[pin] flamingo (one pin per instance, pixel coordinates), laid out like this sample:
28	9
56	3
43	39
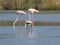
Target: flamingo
31	11
21	13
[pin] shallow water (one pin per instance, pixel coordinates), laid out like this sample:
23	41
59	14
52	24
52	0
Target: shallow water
37	17
42	35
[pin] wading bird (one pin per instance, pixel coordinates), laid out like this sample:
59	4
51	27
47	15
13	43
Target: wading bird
21	13
30	22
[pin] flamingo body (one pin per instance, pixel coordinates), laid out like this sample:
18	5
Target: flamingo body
20	12
31	10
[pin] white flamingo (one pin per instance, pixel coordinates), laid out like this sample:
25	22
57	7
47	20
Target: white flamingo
21	13
31	11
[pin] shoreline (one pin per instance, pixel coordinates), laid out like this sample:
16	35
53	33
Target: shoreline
40	11
10	23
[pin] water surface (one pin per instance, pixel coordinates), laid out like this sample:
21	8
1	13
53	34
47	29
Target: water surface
42	35
37	17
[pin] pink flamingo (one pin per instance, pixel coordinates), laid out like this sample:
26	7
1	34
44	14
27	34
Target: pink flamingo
31	11
21	13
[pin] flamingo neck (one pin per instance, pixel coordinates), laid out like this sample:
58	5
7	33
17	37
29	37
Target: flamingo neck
32	17
20	20
29	16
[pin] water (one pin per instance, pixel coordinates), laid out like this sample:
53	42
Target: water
37	17
42	35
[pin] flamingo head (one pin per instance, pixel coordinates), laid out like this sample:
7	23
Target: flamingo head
21	12
31	10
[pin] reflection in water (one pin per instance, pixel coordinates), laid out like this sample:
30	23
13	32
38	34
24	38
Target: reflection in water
41	35
28	29
5	36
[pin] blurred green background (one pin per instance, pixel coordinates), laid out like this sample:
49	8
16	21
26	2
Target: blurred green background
25	4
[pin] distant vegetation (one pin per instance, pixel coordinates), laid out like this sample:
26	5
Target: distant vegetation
25	4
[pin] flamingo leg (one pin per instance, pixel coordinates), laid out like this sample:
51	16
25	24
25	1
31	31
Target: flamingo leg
15	22
20	21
